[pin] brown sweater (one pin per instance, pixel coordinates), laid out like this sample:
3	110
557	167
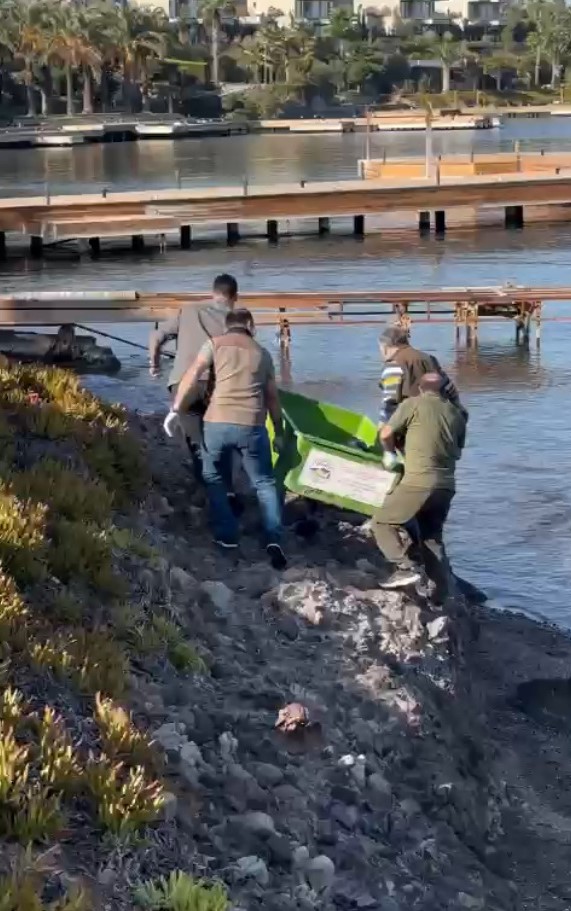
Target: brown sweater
242	369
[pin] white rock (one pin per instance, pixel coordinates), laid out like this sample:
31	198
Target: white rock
300	858
437	628
190	754
347	761
180	579
228	746
169	806
473	902
170	736
359	771
252	867
259	823
379	784
320	873
221	596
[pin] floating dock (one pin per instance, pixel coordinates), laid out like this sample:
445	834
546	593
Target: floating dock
466	308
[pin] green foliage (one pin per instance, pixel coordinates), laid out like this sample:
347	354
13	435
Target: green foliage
22	545
33	814
11	708
126	539
120	738
91	660
13	612
115	458
68	494
180	892
124	800
22	890
14	765
82	550
181	653
59	764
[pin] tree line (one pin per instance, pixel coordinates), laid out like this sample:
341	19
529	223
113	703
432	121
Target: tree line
102	55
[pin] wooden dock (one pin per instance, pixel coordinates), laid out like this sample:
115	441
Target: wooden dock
44	219
465	308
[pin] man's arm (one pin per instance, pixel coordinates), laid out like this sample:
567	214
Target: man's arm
165	332
273	405
391	384
187	385
449	390
397	425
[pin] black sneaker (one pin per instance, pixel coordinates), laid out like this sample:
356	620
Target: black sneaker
277	556
402	578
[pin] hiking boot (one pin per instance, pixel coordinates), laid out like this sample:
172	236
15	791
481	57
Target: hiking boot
277	556
402	578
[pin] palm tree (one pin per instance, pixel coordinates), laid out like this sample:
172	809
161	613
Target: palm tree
140	36
70	47
211	12
445	48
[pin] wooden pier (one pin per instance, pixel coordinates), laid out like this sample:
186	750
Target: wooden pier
53	219
465	308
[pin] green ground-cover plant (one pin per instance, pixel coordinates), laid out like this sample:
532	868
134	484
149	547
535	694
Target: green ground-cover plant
181	892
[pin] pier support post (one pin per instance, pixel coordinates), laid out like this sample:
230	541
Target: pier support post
185	237
36	245
440	222
232	232
424	222
323	226
138	243
514	217
359	225
273	232
95	244
2	245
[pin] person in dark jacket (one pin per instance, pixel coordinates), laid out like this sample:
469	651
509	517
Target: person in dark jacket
191	328
404	367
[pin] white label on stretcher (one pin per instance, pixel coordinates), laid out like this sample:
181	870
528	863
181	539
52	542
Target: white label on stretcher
361	482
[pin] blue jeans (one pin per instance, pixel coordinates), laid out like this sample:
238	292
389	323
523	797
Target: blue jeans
253	445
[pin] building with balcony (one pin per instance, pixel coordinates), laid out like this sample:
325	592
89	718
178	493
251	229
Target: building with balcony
314	11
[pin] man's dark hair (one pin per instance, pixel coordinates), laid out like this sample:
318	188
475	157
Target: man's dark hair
240	319
226	285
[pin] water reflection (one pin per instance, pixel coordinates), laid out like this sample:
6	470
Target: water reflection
498	366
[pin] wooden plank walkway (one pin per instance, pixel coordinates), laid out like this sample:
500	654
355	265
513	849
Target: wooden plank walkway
148	212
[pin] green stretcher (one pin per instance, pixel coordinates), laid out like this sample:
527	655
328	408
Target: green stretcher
330	454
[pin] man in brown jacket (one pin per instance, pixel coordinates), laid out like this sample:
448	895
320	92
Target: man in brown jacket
403	368
235	421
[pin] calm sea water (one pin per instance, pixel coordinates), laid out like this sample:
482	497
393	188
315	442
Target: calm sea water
510	529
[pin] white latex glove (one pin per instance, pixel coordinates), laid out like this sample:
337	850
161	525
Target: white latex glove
170	423
390	461
154	370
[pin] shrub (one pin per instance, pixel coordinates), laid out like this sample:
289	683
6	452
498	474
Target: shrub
22	890
14	765
181	653
33	814
180	892
11	708
119	736
127	540
59	765
13	611
67	493
92	660
22	544
124	801
79	549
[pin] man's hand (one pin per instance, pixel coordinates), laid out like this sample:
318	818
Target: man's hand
170	424
154	370
390	461
278	443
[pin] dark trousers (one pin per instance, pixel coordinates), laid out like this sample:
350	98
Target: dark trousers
191	422
423	511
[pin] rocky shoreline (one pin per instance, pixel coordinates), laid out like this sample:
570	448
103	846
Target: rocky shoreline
422	758
401	794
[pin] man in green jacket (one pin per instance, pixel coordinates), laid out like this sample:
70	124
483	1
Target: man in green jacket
434	430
